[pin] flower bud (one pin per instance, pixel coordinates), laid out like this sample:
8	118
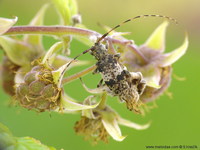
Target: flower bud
76	19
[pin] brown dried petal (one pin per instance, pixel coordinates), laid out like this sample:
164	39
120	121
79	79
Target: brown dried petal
7	75
92	129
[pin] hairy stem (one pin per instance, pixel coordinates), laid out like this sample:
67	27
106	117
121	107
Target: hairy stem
74	31
50	30
78	75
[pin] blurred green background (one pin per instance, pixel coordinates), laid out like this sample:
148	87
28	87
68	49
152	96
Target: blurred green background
175	122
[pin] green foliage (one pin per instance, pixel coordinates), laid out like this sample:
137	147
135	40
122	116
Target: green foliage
66	9
28	143
9	142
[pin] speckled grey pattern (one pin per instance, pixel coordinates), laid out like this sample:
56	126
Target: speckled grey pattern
118	80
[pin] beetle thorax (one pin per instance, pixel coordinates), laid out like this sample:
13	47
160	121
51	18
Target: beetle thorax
99	51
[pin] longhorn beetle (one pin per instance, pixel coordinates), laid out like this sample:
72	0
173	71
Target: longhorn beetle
118	81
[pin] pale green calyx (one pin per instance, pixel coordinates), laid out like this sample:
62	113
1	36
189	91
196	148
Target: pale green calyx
170	58
157	39
17	51
111	125
70	104
48	56
6	24
152	77
111	121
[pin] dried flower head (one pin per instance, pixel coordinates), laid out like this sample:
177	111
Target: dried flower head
91	129
38	89
157	67
101	122
32	85
41	88
19	53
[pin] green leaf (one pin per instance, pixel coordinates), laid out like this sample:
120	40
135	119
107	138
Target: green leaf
62	7
173	56
36	21
3	129
66	9
28	143
6	24
7	141
157	39
18	52
73	7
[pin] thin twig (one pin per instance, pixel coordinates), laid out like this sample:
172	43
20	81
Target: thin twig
78	75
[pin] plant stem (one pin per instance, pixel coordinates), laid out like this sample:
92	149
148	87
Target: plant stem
78	75
74	31
51	30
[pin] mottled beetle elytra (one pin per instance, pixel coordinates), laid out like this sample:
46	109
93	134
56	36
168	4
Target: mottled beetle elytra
118	81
